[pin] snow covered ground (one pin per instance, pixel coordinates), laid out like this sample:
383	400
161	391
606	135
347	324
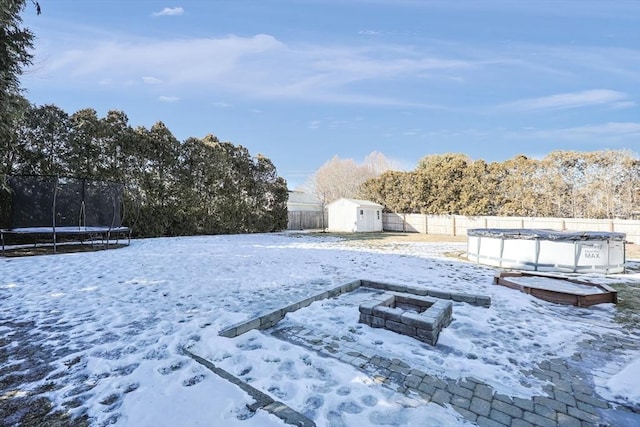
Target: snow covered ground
111	326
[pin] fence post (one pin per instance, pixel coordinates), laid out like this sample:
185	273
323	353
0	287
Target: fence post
453	225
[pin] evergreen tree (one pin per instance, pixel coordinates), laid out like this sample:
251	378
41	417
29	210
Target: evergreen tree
600	184
395	190
16	43
43	133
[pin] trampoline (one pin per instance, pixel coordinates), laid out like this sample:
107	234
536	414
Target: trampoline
58	208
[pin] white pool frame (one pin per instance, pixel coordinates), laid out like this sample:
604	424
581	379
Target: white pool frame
547	250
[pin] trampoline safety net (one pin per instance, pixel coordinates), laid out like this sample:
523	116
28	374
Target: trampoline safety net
49	201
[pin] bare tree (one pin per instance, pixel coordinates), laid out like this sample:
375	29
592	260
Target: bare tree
344	177
377	164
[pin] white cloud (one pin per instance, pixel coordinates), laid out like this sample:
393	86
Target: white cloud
314	124
373	73
603	133
623	104
221	104
168	98
210	60
613	129
256	66
369	32
562	101
151	80
170	11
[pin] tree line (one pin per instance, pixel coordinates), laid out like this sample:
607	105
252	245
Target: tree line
198	186
599	184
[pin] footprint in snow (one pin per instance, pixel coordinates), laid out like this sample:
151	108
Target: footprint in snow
306	360
156	354
311	406
369	400
112	407
278	392
350	407
114	354
335	419
131	387
244	413
288	368
113	418
193	380
175	366
388	418
343	391
79	390
126	370
249	344
313	402
321	389
76	402
222	357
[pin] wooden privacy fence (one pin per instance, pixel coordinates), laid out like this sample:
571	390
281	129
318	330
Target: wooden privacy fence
306	220
457	225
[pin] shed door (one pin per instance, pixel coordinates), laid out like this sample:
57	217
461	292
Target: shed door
369	220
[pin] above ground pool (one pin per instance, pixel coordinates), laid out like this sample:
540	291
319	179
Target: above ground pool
547	250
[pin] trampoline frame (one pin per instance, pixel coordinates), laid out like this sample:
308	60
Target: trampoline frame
107	234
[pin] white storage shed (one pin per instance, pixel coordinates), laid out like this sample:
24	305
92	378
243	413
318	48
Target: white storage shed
351	215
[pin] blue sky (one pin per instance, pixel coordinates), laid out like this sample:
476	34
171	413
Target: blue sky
303	80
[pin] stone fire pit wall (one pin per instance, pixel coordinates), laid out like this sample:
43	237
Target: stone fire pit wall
419	317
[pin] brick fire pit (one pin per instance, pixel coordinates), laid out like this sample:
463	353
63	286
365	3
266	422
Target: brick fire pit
419	317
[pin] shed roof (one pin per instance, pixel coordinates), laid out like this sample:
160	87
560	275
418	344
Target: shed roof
359	203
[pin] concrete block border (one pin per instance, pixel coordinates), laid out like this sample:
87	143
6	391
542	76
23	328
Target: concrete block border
473	299
262	400
272	318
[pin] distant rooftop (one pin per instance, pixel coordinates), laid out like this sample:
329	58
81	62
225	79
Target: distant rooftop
303	198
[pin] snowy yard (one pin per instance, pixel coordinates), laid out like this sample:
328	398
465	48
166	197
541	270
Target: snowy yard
100	334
